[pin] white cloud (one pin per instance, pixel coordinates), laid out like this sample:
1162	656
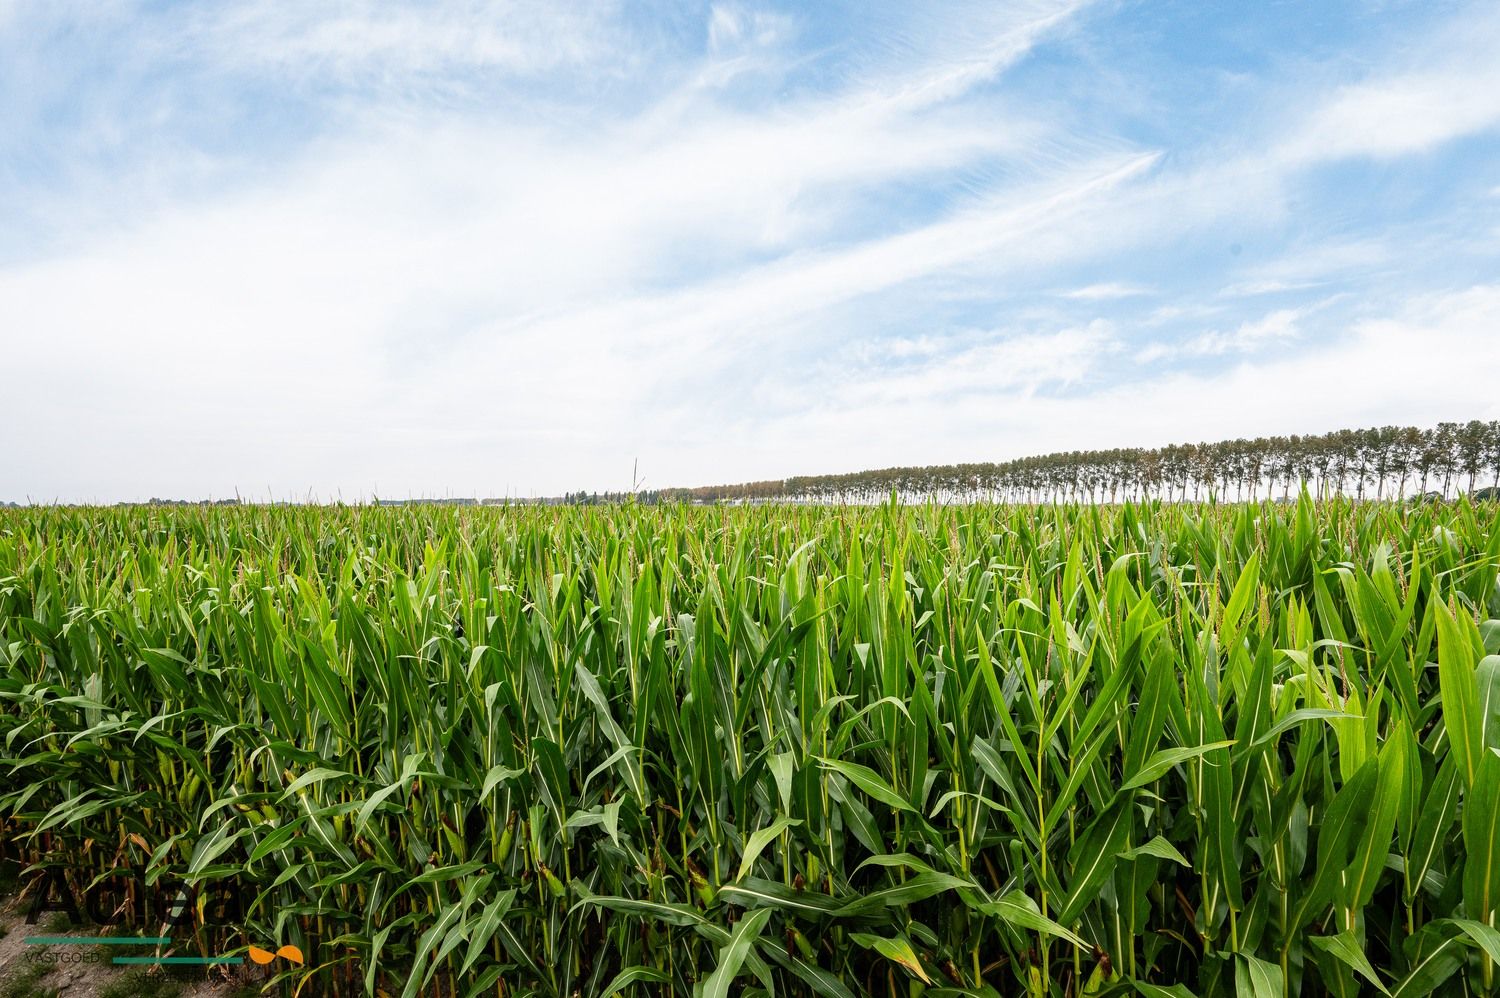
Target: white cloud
974	47
1406	367
1167	314
1309	266
1106	291
734	27
1001	364
378	40
1278	327
1408	114
1452	90
1250	289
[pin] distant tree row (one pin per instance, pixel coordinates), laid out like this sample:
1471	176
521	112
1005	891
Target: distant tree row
1385	461
648	497
154	501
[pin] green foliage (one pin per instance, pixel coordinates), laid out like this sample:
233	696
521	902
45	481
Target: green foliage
138	982
28	980
1070	750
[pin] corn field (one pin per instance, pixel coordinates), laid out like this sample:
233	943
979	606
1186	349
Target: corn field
1156	749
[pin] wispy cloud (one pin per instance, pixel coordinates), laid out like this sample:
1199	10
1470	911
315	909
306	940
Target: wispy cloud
734	27
1269	286
1107	291
1000	363
1279	326
1452	90
368	42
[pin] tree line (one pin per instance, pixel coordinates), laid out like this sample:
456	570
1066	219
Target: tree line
1379	462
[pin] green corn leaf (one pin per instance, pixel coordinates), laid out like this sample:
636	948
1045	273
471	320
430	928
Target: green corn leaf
1164	759
759	840
869	781
734	953
897	949
1021	911
1346	949
1160	848
1460	691
1256	978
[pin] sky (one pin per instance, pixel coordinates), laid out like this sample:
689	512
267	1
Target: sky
280	249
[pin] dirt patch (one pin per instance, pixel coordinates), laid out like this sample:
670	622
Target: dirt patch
62	971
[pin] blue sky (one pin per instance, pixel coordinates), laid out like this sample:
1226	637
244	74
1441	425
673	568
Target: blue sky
293	249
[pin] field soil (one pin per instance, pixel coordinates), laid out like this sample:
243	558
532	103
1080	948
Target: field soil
20	977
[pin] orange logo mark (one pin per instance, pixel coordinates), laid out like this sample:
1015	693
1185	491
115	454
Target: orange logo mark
262	956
